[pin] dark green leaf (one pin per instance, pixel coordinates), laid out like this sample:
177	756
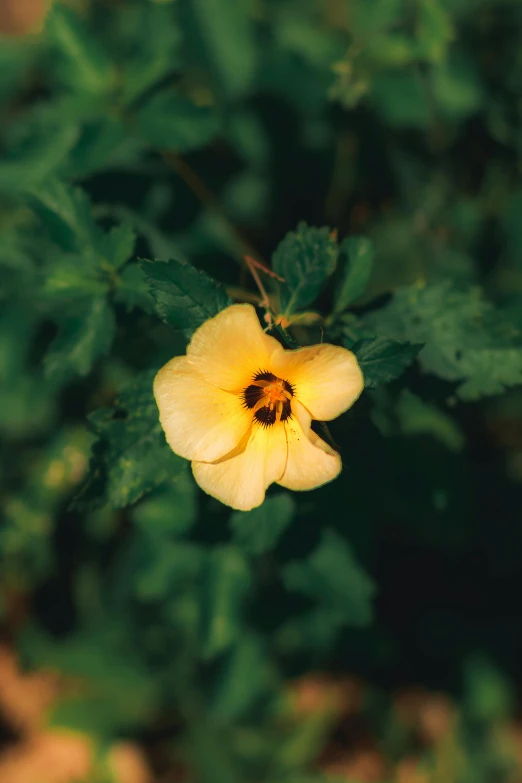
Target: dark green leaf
40	160
305	258
131	456
467	339
382	360
225	584
332	577
170	510
171	121
185	296
258	531
81	340
119	245
359	261
226	30
67	215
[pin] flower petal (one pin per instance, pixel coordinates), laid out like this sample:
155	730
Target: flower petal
327	378
311	462
200	421
241	478
230	348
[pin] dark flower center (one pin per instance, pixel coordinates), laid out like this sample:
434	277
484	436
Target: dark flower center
269	397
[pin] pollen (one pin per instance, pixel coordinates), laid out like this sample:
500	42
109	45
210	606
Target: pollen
269	398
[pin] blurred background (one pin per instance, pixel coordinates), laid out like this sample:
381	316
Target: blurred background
369	630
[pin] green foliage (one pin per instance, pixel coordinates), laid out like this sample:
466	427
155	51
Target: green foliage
131	456
304	259
232	646
383	360
170	121
257	531
359	253
185	297
332	577
467	339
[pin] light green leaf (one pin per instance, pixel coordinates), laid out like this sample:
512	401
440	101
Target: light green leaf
81	340
132	289
383	360
225	584
467	339
227	33
305	258
171	121
83	65
258	531
332	577
417	417
131	457
358	252
119	245
185	296
434	30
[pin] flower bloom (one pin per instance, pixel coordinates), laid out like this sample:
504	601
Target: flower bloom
239	406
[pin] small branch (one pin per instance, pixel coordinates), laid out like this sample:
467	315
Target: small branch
208	199
265	301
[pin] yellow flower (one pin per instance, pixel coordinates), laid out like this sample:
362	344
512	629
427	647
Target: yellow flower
240	407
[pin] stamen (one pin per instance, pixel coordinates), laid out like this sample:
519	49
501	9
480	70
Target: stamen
269	398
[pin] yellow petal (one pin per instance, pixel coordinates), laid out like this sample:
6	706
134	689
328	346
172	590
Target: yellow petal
200	421
326	378
241	479
230	348
311	462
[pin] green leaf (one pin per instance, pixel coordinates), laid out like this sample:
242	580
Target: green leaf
171	121
81	340
170	510
417	417
434	30
244	676
359	252
132	289
39	160
383	360
467	339
67	215
83	65
119	245
227	32
225	584
131	456
258	531
185	297
305	258
332	577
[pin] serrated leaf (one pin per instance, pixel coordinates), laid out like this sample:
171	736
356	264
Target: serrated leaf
185	297
131	457
467	339
227	32
67	215
417	417
81	340
258	531
83	65
304	258
171	121
132	289
359	253
333	578
383	360
223	591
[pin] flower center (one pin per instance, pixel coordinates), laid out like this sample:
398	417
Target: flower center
269	398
